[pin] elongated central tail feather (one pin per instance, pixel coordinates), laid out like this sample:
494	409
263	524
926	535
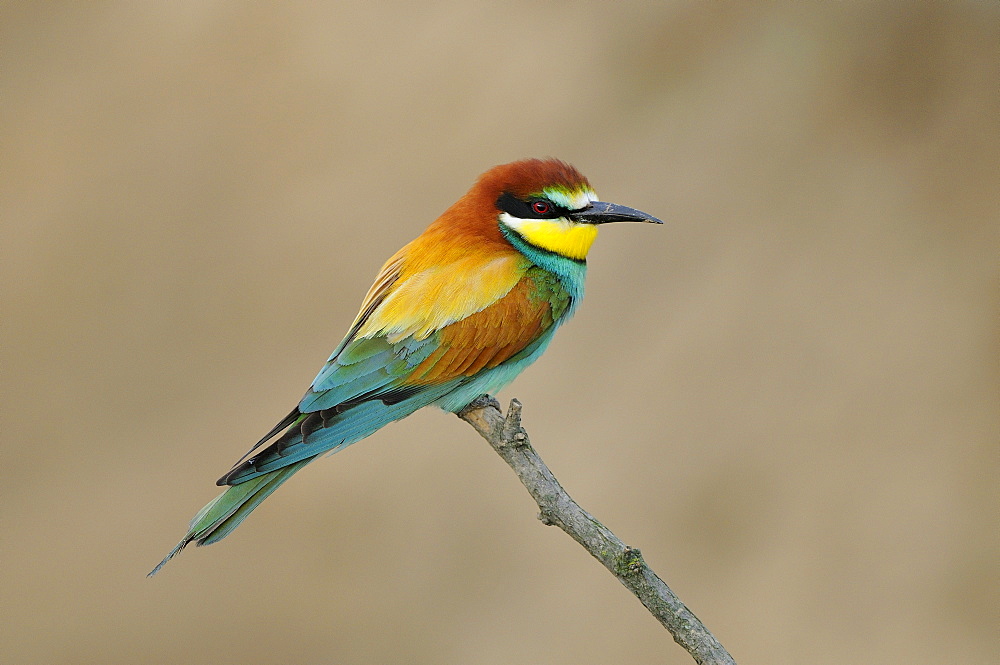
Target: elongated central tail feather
225	512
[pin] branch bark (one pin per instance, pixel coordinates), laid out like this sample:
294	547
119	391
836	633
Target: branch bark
558	508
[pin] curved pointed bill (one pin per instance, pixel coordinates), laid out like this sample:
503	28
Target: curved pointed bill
601	212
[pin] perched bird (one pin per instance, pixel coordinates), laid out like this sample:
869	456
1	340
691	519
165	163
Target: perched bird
457	313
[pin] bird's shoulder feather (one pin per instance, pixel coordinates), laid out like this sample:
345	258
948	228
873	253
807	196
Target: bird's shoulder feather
432	283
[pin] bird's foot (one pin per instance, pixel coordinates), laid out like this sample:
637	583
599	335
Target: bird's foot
481	402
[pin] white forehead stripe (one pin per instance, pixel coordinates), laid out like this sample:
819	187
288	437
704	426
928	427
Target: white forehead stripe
574	200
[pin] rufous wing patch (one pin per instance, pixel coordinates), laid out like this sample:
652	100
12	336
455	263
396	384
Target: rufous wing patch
487	338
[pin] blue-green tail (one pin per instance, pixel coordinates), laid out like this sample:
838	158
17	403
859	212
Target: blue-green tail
225	512
306	436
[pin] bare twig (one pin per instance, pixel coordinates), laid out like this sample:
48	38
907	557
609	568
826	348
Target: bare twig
557	508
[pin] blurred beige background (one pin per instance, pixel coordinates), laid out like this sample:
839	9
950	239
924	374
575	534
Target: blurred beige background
787	397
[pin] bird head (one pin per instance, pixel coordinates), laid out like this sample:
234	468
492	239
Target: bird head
547	204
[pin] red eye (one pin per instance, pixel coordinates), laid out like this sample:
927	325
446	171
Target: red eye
541	207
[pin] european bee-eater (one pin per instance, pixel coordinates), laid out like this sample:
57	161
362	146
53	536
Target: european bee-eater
457	313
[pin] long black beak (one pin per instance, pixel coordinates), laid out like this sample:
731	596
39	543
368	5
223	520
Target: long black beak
600	212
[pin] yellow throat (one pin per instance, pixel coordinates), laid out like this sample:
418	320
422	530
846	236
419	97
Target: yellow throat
560	236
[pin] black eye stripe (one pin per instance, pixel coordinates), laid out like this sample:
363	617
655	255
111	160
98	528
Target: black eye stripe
515	207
